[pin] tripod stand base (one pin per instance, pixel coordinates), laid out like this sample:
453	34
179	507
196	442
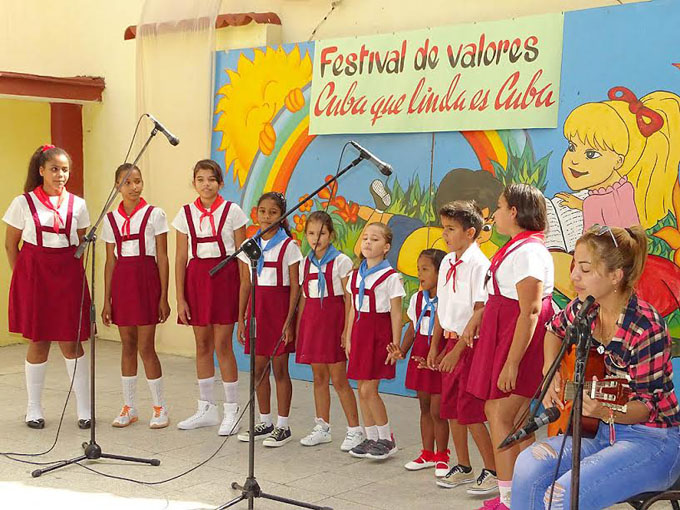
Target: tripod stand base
251	490
92	452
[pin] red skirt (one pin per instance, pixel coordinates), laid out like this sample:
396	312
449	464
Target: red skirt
319	337
271	310
135	291
371	334
422	379
211	299
456	402
45	295
491	351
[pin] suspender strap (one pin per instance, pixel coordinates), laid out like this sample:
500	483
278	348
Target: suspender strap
309	277
278	265
39	227
142	232
209	239
370	293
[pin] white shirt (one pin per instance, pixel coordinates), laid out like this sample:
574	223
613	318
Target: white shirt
235	220
455	308
342	265
157	224
530	259
411	312
268	276
389	289
19	216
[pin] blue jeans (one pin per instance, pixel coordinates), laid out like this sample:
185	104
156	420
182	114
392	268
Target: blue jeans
642	459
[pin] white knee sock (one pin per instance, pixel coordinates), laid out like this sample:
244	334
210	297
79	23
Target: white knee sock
156	387
129	389
231	392
35	381
372	433
206	389
384	431
81	385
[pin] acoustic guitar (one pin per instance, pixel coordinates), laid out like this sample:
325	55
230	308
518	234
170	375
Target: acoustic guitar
614	393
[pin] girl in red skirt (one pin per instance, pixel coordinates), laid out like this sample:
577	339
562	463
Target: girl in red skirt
276	292
136	290
208	230
323	280
373	323
508	358
48	296
426	382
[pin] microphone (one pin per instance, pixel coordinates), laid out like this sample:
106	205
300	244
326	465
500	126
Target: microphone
171	138
548	416
384	168
585	308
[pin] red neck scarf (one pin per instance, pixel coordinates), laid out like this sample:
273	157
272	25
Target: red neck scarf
208	213
503	252
45	200
125	229
453	269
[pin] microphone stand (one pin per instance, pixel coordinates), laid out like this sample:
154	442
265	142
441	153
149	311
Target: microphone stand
251	489
92	450
584	340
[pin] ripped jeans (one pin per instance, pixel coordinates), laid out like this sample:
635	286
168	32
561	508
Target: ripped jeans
642	459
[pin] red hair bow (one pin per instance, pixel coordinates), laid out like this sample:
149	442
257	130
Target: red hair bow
47	147
648	121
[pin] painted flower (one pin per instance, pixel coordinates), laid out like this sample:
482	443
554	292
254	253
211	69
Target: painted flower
307	206
253	215
329	190
300	222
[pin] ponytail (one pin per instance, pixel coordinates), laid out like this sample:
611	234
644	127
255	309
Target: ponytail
40	157
628	253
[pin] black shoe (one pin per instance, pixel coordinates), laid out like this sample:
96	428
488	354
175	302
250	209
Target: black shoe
262	430
84	424
279	437
360	450
36	424
381	449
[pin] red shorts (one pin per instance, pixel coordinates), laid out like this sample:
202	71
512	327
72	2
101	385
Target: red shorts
456	402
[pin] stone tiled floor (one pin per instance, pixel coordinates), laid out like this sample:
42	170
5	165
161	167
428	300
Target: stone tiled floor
321	475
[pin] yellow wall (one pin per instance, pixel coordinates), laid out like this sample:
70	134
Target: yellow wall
29	128
85	37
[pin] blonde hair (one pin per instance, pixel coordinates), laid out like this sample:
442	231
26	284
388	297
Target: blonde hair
630	255
651	163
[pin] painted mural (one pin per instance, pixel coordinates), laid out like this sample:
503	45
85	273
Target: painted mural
613	159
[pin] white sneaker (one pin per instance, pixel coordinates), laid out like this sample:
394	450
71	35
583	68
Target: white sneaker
159	418
321	433
206	416
230	424
352	439
127	416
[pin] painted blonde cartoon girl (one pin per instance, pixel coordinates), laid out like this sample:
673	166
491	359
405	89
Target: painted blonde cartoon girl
625	153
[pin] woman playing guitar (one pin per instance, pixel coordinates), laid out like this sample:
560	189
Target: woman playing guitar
633	451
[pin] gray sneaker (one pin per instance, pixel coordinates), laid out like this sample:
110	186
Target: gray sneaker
360	450
279	437
382	449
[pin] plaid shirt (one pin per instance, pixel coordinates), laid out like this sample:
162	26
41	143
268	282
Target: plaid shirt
640	351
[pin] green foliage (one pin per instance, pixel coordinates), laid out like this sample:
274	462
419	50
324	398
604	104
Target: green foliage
522	167
417	201
411	286
659	246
